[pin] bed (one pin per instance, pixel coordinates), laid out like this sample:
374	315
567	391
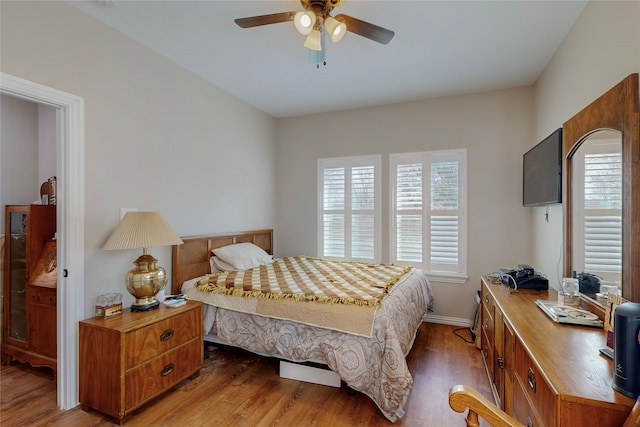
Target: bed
369	358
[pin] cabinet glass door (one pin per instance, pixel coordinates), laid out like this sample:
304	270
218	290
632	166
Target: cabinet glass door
17	275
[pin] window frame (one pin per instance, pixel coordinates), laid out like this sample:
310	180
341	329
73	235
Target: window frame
426	158
350	162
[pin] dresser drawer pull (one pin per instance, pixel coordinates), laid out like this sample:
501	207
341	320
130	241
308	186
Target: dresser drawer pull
166	335
532	381
529	422
486	324
486	299
167	370
500	361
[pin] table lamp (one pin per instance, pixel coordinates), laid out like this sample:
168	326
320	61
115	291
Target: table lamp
143	230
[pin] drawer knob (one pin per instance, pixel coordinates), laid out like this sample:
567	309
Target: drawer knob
166	335
167	370
500	361
531	379
529	422
486	299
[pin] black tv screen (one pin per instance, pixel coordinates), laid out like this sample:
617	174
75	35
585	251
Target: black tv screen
542	172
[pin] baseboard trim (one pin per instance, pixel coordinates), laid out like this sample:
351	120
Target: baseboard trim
454	321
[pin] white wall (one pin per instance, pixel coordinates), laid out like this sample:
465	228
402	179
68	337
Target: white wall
495	128
27	150
19	183
47	134
156	136
602	48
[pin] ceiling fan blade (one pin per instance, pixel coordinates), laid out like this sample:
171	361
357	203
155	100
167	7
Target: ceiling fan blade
365	29
256	21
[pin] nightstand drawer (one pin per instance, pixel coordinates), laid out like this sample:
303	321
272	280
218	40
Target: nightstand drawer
144	344
157	375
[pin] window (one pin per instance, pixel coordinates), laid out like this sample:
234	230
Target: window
599	248
349	208
428	212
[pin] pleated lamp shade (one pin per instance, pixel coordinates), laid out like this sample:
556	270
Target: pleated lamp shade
142	230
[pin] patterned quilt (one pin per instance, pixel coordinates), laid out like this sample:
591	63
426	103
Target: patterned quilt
342	296
309	279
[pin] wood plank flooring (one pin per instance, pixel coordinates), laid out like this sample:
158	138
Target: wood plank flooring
237	388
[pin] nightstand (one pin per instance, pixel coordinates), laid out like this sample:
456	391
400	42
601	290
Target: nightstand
128	359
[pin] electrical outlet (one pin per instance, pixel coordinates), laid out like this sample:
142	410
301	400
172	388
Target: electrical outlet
123	211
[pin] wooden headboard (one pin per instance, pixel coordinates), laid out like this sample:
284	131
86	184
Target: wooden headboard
191	259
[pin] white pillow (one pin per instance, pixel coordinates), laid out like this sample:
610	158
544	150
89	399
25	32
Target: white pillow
243	256
219	265
212	264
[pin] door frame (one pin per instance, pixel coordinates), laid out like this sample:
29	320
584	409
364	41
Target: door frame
70	223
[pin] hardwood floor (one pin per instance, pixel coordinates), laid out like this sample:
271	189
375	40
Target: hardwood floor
237	388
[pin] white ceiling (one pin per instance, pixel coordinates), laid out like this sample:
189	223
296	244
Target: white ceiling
440	48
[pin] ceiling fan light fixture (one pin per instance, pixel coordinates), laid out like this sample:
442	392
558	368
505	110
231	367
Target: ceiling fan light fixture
304	22
314	40
335	29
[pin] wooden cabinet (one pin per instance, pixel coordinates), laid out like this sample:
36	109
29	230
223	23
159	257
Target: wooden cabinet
128	359
29	332
42	320
542	373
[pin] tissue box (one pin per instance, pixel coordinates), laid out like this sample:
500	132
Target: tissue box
102	311
108	305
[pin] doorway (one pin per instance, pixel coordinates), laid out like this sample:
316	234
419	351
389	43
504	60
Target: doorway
70	223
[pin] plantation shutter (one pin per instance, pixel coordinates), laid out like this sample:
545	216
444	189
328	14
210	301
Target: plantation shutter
362	212
428	223
350	215
333	212
409	213
444	214
603	212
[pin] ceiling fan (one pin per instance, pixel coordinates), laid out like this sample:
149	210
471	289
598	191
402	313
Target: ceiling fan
316	20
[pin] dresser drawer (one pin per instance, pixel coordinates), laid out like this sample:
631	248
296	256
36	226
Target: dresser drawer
487	355
522	409
538	391
159	374
488	326
487	300
146	343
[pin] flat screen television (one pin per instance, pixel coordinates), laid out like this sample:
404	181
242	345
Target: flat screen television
542	172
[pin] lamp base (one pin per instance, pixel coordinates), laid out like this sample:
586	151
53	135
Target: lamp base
144	307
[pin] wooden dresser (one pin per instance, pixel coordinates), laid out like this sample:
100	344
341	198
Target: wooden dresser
130	358
543	373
